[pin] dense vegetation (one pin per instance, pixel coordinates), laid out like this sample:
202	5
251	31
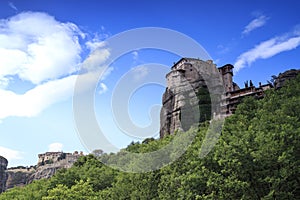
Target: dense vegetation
256	157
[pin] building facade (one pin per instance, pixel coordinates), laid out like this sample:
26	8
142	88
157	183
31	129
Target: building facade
54	157
234	94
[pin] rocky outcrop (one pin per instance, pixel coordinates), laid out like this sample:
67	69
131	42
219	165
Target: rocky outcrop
187	100
285	76
41	172
48	167
3	175
48	164
18	177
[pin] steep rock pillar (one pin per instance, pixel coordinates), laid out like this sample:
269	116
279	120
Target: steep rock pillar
3	176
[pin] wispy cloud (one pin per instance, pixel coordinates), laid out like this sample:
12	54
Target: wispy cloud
136	58
12	5
269	48
97	58
103	88
255	23
139	73
221	49
135	55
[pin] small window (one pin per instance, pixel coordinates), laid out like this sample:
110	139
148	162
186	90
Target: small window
191	69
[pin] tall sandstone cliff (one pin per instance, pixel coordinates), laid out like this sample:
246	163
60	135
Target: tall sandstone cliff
189	97
3	175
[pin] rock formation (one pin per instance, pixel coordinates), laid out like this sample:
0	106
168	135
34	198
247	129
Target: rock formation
46	171
285	76
187	99
18	176
3	175
50	162
198	91
47	166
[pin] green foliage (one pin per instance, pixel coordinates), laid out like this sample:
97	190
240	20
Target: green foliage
256	157
35	190
81	190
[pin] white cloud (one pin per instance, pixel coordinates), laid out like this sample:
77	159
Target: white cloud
255	23
103	88
55	147
94	44
135	55
268	49
101	35
96	59
4	82
42	96
140	72
37	99
10	154
37	48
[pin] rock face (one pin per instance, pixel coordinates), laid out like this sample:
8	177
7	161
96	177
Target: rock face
18	177
46	171
285	76
47	166
187	100
3	175
50	162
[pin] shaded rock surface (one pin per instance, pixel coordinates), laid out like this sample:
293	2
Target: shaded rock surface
3	175
187	99
18	177
285	76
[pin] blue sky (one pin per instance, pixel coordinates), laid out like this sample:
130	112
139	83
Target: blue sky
44	44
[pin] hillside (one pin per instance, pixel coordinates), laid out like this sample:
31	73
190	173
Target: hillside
256	157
